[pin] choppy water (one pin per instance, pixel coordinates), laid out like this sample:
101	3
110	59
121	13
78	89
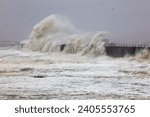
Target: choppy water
35	75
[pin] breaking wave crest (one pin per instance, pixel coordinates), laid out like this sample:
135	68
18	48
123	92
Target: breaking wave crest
57	34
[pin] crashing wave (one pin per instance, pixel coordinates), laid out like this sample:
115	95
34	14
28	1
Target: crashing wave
56	33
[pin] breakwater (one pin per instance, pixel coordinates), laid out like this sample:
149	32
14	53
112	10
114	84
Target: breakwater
120	50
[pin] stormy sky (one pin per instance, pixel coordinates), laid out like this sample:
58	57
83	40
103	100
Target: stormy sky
126	20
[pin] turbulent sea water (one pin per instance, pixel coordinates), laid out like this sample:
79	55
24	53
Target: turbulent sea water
34	75
82	70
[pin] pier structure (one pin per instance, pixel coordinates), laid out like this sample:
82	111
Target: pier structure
120	50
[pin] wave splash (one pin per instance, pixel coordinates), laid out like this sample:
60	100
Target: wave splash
57	34
143	55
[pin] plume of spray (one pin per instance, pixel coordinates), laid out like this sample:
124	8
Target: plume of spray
49	32
143	55
54	31
96	46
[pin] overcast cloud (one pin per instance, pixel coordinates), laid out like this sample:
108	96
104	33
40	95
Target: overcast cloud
127	20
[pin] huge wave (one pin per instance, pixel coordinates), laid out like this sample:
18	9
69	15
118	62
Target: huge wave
57	34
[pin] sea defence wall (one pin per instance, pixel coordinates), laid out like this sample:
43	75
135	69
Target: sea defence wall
121	50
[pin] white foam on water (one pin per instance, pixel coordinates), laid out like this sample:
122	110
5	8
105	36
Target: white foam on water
37	75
